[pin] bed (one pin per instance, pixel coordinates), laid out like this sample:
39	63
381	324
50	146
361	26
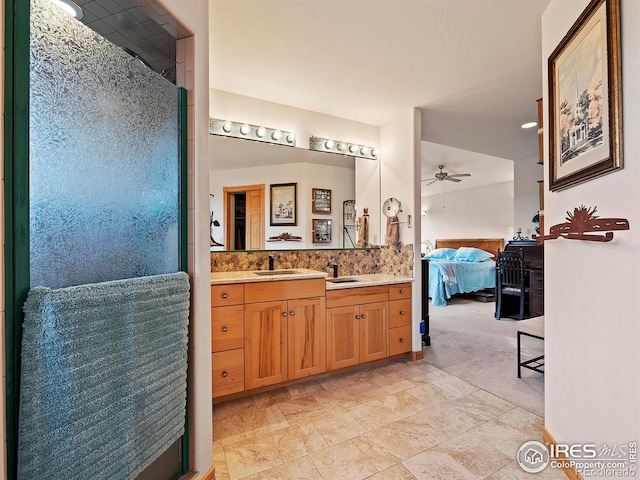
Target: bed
448	277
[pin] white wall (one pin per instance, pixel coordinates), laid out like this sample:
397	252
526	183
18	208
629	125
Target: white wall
592	318
526	173
341	182
483	212
400	178
195	16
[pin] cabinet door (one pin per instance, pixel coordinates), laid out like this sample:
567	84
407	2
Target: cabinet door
306	341
265	347
374	331
343	337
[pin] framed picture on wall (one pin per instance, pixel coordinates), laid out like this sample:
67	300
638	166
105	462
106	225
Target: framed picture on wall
284	204
320	200
585	98
321	231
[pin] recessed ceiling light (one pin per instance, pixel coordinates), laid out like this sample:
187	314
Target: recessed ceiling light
69	7
529	124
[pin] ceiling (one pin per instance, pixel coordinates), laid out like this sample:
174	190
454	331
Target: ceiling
484	169
139	27
473	67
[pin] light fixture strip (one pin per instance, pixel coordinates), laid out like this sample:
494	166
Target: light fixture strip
345	148
259	133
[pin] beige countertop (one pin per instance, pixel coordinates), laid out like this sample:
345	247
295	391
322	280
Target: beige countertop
252	276
368	280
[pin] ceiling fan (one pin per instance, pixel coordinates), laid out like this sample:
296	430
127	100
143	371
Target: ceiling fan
441	176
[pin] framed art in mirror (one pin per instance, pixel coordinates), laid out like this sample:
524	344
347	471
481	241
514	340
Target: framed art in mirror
321	231
320	200
284	204
585	98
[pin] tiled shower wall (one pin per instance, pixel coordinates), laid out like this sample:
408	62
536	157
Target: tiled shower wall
350	262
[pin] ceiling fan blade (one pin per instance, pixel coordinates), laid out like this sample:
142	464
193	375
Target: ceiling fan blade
430	182
448	177
460	175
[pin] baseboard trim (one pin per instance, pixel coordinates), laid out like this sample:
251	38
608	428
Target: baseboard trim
419	355
211	474
548	440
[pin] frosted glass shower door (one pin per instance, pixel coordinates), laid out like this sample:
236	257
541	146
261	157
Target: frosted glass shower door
106	174
104	158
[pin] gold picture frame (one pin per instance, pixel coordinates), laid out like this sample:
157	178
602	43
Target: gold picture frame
585	98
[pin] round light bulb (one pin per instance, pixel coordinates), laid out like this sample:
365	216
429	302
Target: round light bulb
340	147
276	135
329	144
353	148
364	151
374	152
291	138
245	129
227	126
261	131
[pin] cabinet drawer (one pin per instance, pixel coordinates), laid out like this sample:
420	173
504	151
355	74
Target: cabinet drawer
399	340
227	372
399	313
357	295
230	294
284	290
399	291
227	328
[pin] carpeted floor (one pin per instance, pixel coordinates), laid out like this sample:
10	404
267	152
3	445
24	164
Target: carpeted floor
469	343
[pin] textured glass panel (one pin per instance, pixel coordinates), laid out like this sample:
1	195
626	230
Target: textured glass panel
104	164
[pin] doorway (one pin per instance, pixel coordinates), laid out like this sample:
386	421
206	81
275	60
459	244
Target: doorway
244	217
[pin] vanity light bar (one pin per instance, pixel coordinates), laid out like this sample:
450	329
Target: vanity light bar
227	128
344	148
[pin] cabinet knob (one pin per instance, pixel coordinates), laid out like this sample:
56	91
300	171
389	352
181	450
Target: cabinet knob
224	374
401	312
224	295
401	291
401	340
357	317
284	314
292	313
225	329
363	316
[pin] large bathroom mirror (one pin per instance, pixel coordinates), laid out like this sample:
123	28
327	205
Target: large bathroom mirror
242	173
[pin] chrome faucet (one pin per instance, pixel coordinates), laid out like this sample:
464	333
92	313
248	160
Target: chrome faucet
272	257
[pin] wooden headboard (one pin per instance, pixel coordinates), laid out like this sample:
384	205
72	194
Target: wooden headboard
491	245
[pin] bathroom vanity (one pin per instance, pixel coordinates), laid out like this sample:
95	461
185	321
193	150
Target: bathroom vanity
272	327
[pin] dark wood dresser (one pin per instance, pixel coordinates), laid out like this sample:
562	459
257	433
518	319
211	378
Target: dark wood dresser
533	256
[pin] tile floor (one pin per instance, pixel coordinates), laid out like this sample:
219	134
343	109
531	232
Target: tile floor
398	420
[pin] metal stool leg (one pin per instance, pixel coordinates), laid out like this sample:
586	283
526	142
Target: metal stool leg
519	354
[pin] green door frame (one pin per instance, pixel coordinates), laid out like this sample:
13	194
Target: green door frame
16	204
16	212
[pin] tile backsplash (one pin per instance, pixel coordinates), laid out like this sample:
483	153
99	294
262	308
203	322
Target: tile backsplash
385	259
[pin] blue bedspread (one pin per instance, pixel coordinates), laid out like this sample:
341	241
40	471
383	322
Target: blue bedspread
468	277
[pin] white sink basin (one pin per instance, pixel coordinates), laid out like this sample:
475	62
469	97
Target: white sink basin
276	272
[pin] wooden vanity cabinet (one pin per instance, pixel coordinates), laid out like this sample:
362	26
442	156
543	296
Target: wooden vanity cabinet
265	342
282	338
357	325
227	339
399	318
306	338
